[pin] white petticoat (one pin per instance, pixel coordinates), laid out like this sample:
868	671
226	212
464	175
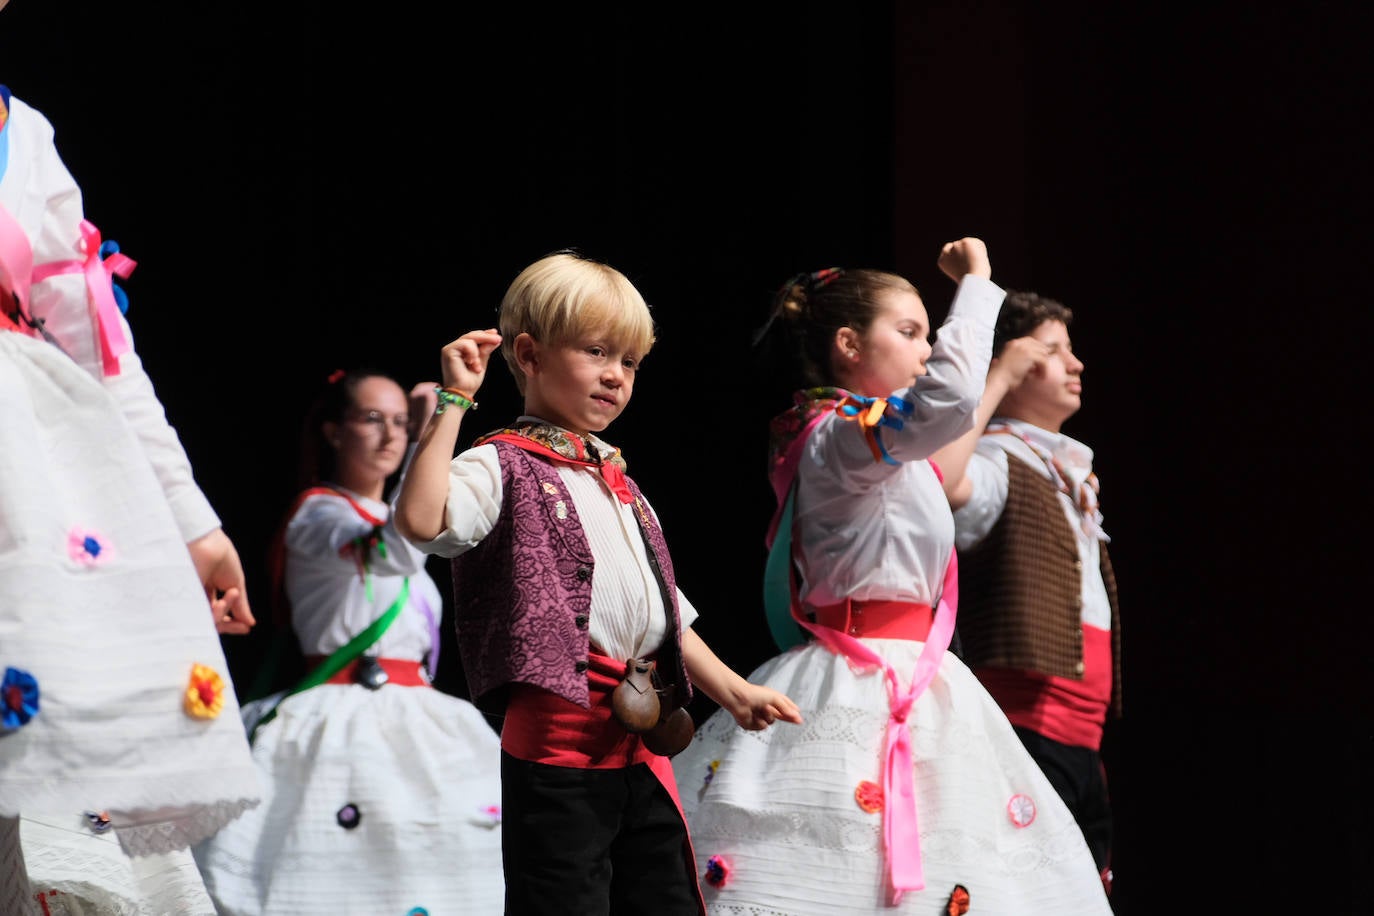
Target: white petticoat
88	874
781	807
421	767
111	643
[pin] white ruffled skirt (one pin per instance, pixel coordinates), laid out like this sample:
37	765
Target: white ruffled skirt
781	807
101	607
421	771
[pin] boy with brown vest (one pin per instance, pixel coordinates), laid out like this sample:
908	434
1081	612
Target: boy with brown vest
1038	616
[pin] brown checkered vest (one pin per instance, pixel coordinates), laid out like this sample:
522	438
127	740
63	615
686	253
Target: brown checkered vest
1020	589
522	597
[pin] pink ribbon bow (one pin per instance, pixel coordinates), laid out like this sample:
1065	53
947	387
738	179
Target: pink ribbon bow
100	274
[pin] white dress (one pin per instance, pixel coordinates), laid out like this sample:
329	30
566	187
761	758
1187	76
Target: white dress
107	785
420	768
790	810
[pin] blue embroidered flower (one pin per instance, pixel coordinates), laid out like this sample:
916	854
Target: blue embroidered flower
18	699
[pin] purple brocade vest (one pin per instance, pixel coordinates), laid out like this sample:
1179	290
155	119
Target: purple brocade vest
522	596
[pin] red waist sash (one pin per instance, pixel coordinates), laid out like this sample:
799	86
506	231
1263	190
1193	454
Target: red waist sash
403	672
877	619
542	727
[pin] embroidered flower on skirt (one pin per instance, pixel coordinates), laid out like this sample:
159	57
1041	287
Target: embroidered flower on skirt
958	901
1021	810
717	871
204	698
869	795
89	548
18	699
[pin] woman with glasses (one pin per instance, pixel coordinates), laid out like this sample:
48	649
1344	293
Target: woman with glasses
381	793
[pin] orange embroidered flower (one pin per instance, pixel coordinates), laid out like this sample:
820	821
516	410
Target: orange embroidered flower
869	795
958	901
205	693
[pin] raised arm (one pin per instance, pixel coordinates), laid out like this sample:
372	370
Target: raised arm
424	491
1019	358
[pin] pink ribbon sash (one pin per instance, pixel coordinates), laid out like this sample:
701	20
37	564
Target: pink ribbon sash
16	258
100	274
901	833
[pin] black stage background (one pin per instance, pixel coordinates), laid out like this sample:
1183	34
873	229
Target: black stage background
305	189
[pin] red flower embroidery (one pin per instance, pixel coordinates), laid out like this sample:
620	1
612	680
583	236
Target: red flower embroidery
869	795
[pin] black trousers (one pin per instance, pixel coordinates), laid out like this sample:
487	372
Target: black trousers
1077	775
581	842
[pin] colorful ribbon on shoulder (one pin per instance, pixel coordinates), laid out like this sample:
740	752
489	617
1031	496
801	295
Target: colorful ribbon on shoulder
871	413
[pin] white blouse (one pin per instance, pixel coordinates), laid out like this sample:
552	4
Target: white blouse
38	191
872	530
329	595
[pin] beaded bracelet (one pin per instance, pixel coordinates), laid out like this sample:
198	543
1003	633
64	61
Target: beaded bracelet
449	396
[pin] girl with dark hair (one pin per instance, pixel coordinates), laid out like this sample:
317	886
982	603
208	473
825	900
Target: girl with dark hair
906	790
381	793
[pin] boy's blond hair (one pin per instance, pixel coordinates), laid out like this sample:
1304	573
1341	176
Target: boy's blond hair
564	296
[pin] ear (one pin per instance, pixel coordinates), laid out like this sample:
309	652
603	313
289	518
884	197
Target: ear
526	354
847	341
330	430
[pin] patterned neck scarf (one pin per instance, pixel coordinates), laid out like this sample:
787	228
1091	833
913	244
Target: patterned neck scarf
559	444
1070	464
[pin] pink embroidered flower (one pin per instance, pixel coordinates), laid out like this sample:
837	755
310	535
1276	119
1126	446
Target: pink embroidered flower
204	698
717	871
1021	810
87	547
489	815
869	795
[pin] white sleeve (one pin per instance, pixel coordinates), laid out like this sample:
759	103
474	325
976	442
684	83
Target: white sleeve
133	391
326	524
942	401
987	473
686	611
61	302
474	502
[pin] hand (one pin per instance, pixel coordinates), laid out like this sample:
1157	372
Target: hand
423	401
464	361
966	256
1019	358
217	564
761	706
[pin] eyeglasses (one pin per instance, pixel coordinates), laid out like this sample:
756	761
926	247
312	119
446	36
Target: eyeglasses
399	422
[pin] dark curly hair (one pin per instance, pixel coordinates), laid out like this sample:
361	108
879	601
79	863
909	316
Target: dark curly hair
1023	312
